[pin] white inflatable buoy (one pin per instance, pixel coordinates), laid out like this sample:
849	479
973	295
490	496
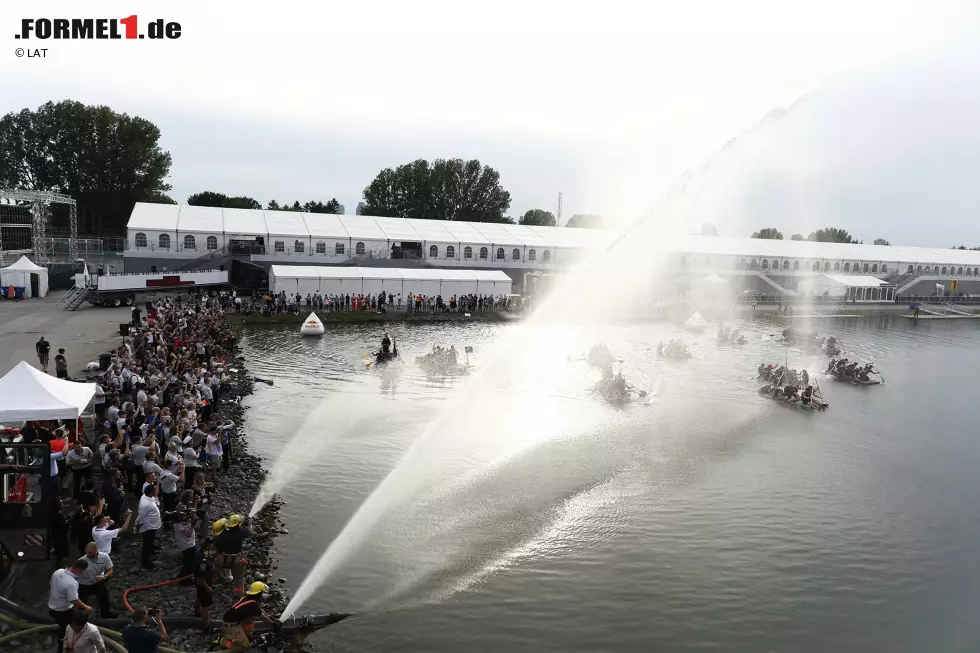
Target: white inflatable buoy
312	326
696	322
92	367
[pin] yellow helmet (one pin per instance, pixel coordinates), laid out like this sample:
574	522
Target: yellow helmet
256	588
234	520
218	526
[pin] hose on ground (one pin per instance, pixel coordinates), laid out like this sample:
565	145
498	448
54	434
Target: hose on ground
33	629
138	588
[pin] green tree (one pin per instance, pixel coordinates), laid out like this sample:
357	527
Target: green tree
210	198
273	205
831	235
448	189
538	218
160	198
881	241
585	221
768	233
797	237
107	161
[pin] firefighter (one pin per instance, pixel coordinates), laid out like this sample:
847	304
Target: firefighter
239	621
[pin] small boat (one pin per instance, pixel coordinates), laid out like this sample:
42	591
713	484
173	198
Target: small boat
854	373
312	326
814	405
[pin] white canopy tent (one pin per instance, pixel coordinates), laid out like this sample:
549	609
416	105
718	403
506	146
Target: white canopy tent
344	280
25	274
27	393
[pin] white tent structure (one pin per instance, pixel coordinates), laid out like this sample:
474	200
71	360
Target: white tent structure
25	274
27	393
855	289
305	280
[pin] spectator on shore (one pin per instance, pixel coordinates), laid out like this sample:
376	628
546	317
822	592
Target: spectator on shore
104	533
93	581
82	637
149	522
138	637
63	595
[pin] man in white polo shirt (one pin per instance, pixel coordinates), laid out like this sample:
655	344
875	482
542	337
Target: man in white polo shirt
104	533
64	594
93	581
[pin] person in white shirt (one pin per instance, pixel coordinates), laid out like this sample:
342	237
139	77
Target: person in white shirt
149	522
79	460
103	533
98	403
93	580
81	636
63	596
214	451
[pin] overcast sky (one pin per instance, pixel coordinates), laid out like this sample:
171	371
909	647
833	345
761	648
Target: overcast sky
604	101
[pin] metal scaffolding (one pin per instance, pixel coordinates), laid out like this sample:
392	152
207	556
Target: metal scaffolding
40	202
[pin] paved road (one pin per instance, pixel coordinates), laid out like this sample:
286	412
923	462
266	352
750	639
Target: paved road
85	333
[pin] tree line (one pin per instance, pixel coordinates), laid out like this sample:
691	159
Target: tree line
108	161
825	235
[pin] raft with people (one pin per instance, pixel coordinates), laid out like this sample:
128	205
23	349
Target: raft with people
730	334
853	372
388	352
790	387
812	342
442	362
614	389
674	349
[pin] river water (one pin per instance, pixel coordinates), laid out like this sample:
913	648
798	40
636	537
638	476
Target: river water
704	518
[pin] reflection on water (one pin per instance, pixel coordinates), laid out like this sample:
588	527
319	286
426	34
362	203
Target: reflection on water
706	518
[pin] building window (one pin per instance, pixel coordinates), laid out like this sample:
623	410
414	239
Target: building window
975	271
359	249
786	264
826	266
836	266
500	253
944	270
532	255
847	267
212	243
140	239
299	246
321	247
909	270
866	267
918	269
279	247
874	268
754	262
467	252
484	252
796	266
884	268
338	248
433	251
765	264
959	270
189	242
546	257
516	254
164	241
450	251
